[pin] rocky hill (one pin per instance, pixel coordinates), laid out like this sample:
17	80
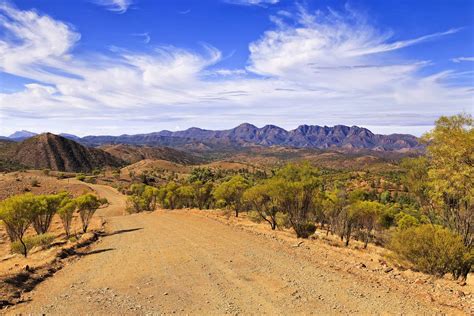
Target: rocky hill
49	151
132	154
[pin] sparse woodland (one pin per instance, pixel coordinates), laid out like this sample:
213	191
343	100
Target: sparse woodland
424	213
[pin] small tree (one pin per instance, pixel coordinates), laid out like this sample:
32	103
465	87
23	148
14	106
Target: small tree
87	205
17	213
185	196
363	215
202	194
48	206
66	213
450	153
296	187
262	200
231	192
333	209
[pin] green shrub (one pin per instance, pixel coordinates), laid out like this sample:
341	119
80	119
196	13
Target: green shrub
81	177
17	213
304	230
282	220
43	241
87	204
254	217
432	249
405	221
35	183
143	198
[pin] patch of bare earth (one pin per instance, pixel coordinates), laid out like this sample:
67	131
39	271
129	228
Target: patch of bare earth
198	262
36	182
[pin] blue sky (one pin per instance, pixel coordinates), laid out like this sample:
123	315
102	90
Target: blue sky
135	66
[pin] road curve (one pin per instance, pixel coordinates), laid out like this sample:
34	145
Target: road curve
179	262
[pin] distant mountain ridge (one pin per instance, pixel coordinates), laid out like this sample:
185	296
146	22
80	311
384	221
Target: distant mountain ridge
21	135
304	136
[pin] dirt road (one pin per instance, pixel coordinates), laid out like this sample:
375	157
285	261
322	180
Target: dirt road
180	262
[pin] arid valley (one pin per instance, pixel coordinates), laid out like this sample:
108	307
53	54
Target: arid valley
236	157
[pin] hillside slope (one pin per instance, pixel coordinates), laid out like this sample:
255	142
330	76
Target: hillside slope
49	151
132	154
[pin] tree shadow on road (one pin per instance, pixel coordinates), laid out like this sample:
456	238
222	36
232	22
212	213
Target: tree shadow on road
93	252
121	231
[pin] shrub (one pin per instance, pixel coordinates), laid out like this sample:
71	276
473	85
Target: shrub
43	241
143	198
405	221
48	206
254	216
231	192
66	213
362	216
294	190
35	183
282	220
304	230
17	213
262	200
87	204
432	249
81	177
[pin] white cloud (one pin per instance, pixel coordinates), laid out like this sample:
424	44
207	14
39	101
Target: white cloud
38	40
119	6
461	59
252	2
310	68
145	36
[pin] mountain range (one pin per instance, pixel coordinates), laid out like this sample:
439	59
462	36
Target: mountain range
244	135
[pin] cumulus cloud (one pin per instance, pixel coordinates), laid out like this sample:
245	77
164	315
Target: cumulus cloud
118	6
311	67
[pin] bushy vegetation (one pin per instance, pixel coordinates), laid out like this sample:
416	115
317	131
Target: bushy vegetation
424	211
18	213
143	198
87	204
30	242
432	249
429	194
